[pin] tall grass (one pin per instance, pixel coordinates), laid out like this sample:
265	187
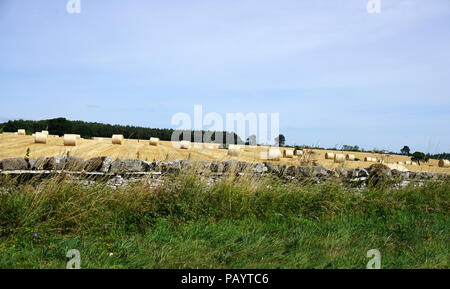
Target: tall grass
235	222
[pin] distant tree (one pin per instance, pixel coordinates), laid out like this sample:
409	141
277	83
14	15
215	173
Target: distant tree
441	156
61	126
280	140
350	148
251	140
420	156
405	151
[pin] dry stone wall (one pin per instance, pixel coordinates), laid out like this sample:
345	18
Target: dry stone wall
125	168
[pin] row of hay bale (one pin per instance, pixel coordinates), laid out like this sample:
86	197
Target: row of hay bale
24	132
69	140
154	141
339	158
39	137
275	154
119	139
411	163
233	150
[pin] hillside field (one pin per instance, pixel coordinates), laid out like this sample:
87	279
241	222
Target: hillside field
12	145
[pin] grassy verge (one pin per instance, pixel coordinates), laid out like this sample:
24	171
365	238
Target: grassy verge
236	223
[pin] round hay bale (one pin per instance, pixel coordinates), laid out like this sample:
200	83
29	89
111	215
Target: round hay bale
117	139
237	146
40	137
339	158
45	132
397	167
212	145
329	156
399	163
444	163
198	145
154	141
299	152
350	157
70	140
289	154
414	163
234	151
78	136
408	163
263	156
369	159
21	132
185	144
274	154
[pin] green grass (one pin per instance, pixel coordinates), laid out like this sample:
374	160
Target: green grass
236	223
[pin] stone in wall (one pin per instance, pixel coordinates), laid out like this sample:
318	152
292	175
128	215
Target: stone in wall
13	164
98	164
36	164
128	165
74	164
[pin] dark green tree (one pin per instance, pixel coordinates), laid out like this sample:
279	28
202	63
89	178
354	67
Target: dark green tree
251	140
280	140
420	156
61	126
405	151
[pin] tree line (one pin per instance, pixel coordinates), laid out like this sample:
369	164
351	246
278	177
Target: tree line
61	126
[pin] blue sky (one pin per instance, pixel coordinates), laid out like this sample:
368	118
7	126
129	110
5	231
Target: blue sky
335	73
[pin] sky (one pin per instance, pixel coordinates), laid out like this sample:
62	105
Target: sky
335	73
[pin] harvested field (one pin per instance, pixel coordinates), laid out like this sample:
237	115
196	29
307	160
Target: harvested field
12	145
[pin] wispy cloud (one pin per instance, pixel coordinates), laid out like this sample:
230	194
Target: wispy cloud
93	106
